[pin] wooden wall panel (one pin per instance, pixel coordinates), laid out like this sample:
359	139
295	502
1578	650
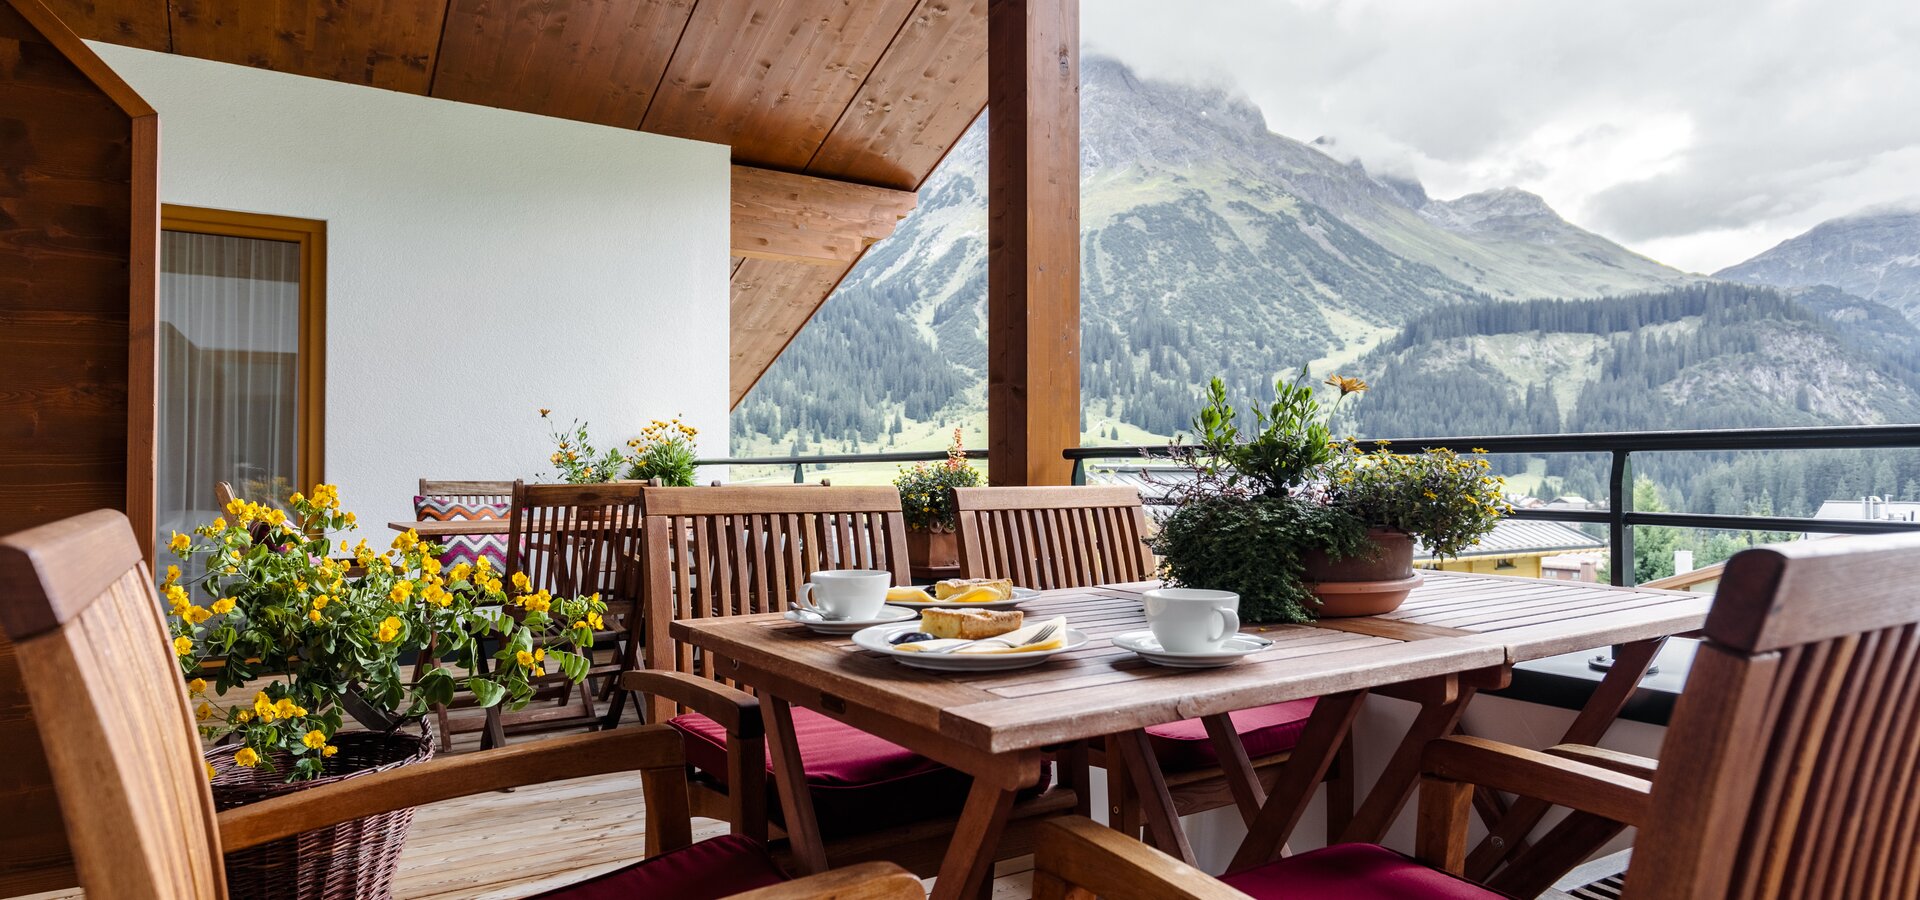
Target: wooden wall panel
77	283
771	79
771	301
919	100
382	43
593	60
134	23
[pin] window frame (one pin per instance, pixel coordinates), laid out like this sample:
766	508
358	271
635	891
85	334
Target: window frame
311	382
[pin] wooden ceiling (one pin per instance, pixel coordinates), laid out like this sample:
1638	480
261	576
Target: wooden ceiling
871	92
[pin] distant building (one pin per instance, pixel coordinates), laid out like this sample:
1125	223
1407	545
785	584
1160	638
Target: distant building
1573	567
1870	509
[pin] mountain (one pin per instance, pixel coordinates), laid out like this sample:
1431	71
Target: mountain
1874	255
1211	246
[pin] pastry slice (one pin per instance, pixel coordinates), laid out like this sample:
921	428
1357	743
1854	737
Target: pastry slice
1002	588
970	624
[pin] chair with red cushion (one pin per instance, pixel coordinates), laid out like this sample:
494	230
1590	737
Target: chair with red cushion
738	550
1788	768
1048	538
80	610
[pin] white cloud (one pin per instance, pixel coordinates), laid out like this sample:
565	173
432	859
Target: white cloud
1700	132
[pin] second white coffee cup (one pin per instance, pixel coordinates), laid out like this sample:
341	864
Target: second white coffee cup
846	594
1190	620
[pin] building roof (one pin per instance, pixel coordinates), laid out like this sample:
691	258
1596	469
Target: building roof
1510	537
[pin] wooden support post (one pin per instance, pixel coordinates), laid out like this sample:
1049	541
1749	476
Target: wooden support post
1033	239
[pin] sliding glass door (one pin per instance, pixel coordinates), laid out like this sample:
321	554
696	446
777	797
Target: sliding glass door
240	345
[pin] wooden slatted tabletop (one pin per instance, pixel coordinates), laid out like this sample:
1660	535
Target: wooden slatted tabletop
1096	690
1535	618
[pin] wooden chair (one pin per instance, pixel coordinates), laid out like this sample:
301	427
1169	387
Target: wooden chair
1790	769
1048	538
575	539
740	550
474	491
81	611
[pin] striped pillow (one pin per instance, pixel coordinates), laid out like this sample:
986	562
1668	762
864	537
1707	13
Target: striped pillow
465	548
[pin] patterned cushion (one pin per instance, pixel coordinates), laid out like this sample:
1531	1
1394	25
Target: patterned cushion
465	548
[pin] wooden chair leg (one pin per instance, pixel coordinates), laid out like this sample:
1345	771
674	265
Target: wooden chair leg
1340	790
1568	844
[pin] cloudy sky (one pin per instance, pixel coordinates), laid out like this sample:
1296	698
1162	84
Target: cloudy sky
1698	132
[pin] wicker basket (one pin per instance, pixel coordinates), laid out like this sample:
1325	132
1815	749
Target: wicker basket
354	859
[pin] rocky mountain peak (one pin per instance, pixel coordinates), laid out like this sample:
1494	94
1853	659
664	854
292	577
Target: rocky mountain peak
1873	254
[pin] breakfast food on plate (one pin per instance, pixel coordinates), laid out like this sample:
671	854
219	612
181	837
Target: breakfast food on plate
969	624
906	595
973	590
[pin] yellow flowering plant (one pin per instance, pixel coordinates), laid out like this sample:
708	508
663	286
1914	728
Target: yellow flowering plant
327	635
1447	501
664	450
925	489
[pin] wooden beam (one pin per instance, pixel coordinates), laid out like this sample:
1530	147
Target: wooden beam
1033	239
785	217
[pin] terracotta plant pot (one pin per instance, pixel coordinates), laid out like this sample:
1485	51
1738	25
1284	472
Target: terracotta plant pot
1366	585
933	549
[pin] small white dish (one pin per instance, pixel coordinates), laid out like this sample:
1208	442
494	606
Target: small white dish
875	639
1231	650
889	614
1020	595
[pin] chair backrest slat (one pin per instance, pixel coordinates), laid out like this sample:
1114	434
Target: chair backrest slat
467	491
575	539
1792	761
740	550
90	635
1053	537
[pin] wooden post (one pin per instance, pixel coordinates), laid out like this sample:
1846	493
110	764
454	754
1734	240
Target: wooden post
1033	239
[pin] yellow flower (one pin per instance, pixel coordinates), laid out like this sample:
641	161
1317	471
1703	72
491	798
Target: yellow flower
389	629
285	709
321	601
237	508
521	583
314	616
219	524
173	575
406	540
246	758
243	717
197	686
1347	385
329	751
544	411
314	739
430	565
222	606
296	497
179	543
483	564
196	614
460	571
203	712
276	518
524	658
177	599
210	772
183	646
352	519
401	591
598	623
263	707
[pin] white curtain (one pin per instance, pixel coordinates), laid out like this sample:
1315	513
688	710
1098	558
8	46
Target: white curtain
229	338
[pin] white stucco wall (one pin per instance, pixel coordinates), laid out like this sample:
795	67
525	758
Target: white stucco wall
481	264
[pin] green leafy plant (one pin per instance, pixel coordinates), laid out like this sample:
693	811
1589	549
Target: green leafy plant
1259	504
664	450
574	458
925	489
328	633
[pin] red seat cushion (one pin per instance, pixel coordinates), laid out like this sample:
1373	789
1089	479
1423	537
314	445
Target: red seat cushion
711	869
1265	730
1355	872
859	782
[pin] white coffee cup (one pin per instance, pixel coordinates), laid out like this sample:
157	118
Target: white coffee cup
846	594
1189	620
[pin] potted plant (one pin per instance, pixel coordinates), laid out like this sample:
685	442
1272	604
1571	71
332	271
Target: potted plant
575	460
663	451
927	501
1300	525
319	640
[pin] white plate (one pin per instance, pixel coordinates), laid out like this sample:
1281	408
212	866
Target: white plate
875	639
1020	595
888	615
1231	650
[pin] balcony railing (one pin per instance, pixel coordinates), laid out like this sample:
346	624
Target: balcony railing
1618	516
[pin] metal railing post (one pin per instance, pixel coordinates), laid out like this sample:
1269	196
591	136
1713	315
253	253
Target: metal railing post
1619	541
799	473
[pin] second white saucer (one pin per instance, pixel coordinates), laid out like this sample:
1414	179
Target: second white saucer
1230	651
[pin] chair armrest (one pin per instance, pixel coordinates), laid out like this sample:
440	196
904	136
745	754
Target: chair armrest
1532	773
866	881
737	711
1076	852
1611	760
648	747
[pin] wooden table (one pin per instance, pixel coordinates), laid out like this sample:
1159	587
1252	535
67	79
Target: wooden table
998	726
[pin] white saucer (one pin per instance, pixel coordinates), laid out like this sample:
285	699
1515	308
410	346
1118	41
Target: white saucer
875	639
1230	651
889	614
1020	595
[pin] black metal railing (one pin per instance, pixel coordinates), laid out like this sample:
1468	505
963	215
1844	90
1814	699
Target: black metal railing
1619	515
800	463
